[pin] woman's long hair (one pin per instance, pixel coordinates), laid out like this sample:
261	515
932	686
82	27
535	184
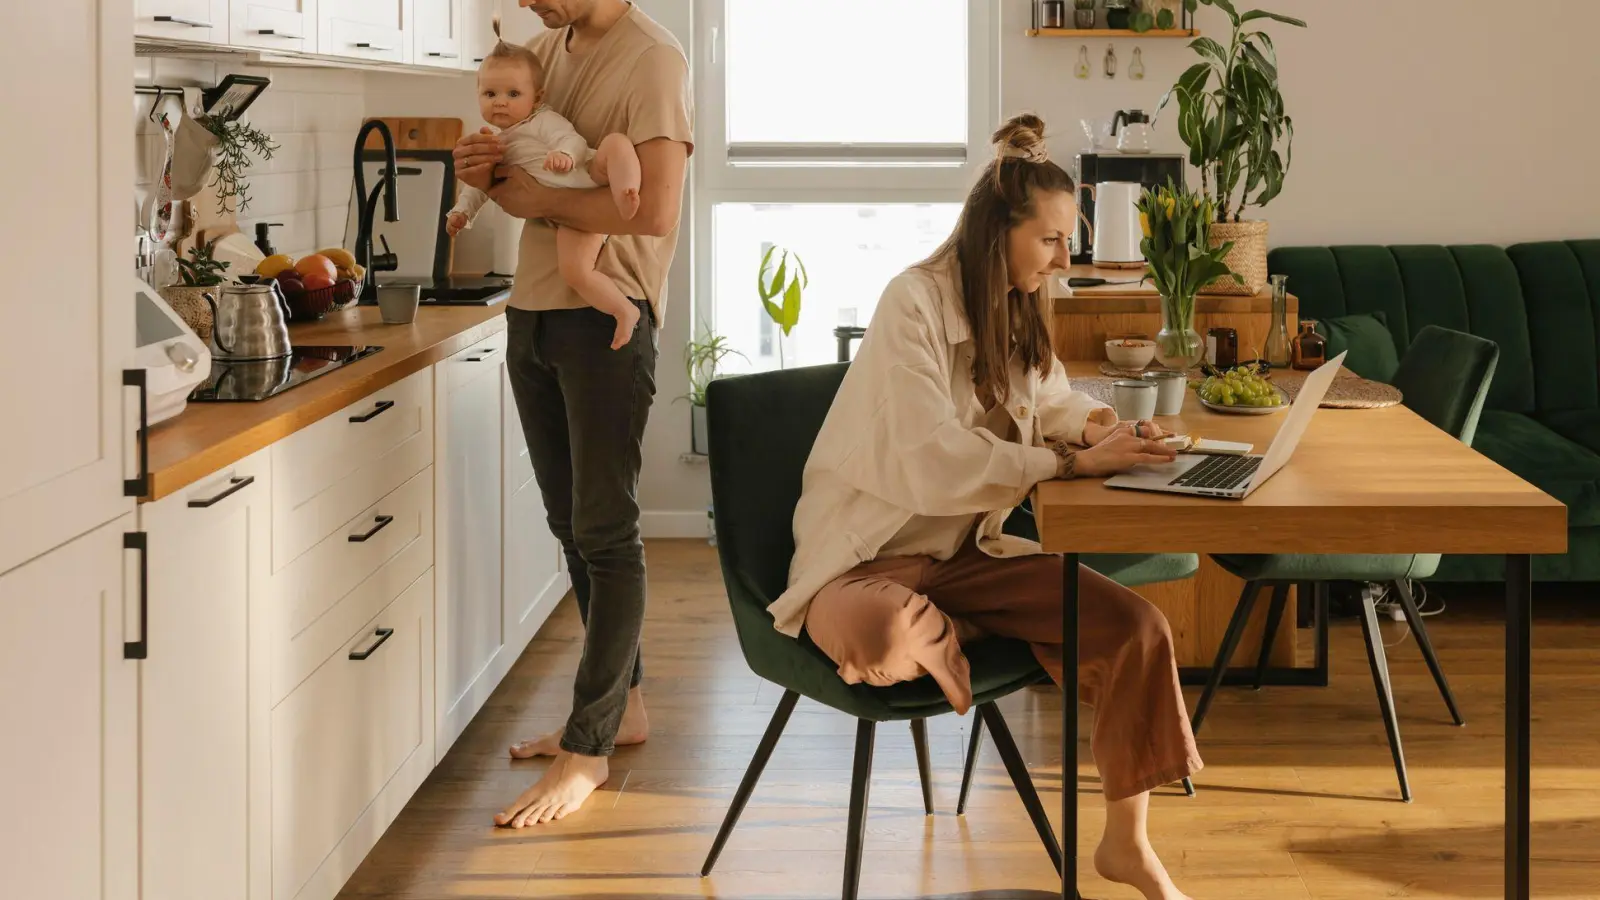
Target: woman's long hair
1002	320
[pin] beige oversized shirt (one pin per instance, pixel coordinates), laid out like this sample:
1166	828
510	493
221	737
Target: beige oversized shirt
907	459
635	82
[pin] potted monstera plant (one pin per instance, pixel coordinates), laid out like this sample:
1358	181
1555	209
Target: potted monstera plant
1232	117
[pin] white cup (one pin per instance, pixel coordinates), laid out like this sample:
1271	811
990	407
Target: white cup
1169	391
1134	401
397	303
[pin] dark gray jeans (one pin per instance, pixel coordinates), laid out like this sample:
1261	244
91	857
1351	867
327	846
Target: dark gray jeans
583	408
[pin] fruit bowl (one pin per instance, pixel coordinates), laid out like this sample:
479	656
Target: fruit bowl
309	306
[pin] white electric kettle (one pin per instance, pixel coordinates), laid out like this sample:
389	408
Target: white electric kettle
1117	233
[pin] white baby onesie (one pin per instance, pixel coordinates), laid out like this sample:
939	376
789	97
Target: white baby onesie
526	144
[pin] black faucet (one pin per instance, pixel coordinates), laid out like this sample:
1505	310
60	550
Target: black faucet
367	207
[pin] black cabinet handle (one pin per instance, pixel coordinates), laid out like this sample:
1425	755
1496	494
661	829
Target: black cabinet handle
367	45
180	20
382	523
477	59
445	55
140	649
140	485
382	407
485	356
383	634
273	32
235	485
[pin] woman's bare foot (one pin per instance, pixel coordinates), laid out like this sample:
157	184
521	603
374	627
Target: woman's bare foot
566	784
1139	867
626	323
635	729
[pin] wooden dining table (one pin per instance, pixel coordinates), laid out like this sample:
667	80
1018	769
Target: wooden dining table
1361	481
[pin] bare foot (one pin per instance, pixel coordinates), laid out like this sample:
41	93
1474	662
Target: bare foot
626	322
635	729
566	784
1139	867
627	200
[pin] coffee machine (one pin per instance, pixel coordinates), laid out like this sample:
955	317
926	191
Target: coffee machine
1148	169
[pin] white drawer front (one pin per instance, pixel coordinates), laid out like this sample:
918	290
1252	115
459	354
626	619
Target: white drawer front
366	40
341	581
325	474
341	737
483	358
275	24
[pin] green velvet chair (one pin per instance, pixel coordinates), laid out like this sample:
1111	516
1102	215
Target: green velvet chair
1444	377
1126	569
761	429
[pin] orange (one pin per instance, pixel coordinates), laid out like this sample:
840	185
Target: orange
317	264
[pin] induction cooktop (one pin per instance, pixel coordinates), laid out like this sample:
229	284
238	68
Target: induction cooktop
232	380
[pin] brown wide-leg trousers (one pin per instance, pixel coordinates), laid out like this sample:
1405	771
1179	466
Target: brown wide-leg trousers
894	620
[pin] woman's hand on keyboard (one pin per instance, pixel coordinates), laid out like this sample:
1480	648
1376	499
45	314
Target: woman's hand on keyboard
1120	452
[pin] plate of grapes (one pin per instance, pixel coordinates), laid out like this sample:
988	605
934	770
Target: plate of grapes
1242	391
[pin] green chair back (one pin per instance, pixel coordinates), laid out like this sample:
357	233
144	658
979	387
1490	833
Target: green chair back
1445	377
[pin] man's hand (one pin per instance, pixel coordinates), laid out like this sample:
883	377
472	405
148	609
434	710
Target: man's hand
454	223
521	195
476	156
1121	452
558	162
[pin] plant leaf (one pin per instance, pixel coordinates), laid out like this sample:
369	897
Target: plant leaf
1191	5
1227	7
774	312
1207	47
781	279
791	306
1255	14
805	279
1165	20
1143	21
761	273
1259	60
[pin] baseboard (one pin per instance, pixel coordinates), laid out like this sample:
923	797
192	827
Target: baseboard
674	524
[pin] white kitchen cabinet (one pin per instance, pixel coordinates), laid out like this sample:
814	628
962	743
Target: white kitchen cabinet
470	630
70	435
203	21
437	35
201	705
274	24
535	573
69	701
477	32
366	29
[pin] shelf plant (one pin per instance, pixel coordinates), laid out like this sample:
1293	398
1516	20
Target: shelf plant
237	143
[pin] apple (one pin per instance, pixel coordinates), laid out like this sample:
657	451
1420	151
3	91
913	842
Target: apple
316	281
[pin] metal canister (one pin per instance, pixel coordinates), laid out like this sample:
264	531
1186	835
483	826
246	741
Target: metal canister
1222	347
1053	14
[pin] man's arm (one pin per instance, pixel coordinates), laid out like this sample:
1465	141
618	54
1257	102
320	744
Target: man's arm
662	164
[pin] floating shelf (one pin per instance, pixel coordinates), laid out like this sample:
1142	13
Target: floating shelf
1114	32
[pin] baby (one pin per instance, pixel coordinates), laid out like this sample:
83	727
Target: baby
545	145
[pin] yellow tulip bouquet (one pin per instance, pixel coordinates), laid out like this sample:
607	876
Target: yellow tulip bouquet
1179	259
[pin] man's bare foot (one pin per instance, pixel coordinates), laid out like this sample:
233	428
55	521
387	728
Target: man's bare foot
627	200
1138	867
635	729
626	323
566	784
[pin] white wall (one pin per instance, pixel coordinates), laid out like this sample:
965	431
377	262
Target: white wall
1427	121
672	495
312	114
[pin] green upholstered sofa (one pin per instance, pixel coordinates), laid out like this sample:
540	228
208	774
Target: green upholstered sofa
1540	302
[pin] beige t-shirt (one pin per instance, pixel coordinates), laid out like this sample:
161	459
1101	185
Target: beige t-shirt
634	82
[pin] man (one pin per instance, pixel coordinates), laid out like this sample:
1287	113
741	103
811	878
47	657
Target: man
609	68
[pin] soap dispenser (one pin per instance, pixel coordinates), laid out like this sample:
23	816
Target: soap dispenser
264	237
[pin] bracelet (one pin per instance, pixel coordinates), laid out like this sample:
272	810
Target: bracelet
1068	467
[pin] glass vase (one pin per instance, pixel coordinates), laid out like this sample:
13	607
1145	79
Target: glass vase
1178	346
1277	350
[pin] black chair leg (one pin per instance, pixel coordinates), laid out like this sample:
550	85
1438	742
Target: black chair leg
1230	643
919	737
1018	770
1380	679
856	833
769	741
1188	786
1280	601
973	744
1414	619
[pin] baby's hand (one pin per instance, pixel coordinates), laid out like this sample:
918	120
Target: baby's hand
558	162
454	223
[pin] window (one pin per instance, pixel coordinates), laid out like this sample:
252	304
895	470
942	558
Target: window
847	131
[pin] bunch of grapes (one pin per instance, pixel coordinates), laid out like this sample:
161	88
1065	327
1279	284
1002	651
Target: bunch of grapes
1241	386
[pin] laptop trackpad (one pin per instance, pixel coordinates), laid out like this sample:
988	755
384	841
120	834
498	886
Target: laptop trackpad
1153	475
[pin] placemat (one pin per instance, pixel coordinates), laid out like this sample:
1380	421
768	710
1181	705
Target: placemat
1348	391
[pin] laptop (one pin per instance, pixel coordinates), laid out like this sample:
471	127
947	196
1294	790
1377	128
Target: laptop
1235	477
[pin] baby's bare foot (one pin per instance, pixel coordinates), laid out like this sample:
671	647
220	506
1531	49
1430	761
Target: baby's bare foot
1138	867
565	786
626	322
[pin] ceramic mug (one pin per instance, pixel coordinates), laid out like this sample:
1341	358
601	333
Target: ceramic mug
1134	401
1169	391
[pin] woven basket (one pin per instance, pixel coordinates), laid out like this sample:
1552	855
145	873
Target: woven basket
1248	258
191	306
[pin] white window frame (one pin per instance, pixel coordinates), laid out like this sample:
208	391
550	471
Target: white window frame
787	174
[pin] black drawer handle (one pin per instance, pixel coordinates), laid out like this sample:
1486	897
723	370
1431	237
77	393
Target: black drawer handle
382	407
382	523
367	45
481	358
235	485
383	634
273	32
444	55
180	20
140	649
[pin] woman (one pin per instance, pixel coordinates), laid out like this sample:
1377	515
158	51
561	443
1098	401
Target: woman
954	409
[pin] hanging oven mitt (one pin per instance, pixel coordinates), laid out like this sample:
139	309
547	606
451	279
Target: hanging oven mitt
193	150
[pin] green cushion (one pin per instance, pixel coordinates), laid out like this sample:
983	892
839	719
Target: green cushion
1542	457
1561	322
1435	292
1372	283
1346	567
1126	569
1366	338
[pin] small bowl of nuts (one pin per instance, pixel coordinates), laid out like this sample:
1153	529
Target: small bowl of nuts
1130	353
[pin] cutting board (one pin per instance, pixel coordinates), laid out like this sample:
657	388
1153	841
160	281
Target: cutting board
418	133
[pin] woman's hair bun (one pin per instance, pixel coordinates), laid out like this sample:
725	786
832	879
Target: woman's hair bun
1022	137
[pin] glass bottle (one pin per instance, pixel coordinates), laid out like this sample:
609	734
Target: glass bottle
1310	348
1277	351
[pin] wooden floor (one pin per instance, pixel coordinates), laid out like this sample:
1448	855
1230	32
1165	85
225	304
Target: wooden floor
1298	799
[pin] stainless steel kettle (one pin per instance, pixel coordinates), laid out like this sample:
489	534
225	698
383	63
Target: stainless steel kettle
250	321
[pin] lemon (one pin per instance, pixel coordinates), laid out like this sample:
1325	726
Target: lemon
344	259
273	266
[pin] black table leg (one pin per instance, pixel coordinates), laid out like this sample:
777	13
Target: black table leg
1519	723
1069	727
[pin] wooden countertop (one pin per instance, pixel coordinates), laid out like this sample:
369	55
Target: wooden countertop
1141	298
207	437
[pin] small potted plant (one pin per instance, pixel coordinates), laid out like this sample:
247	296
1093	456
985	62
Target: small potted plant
780	290
1154	14
702	360
1119	14
1083	13
200	274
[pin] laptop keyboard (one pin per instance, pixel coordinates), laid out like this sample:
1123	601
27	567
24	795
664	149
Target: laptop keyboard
1220	473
